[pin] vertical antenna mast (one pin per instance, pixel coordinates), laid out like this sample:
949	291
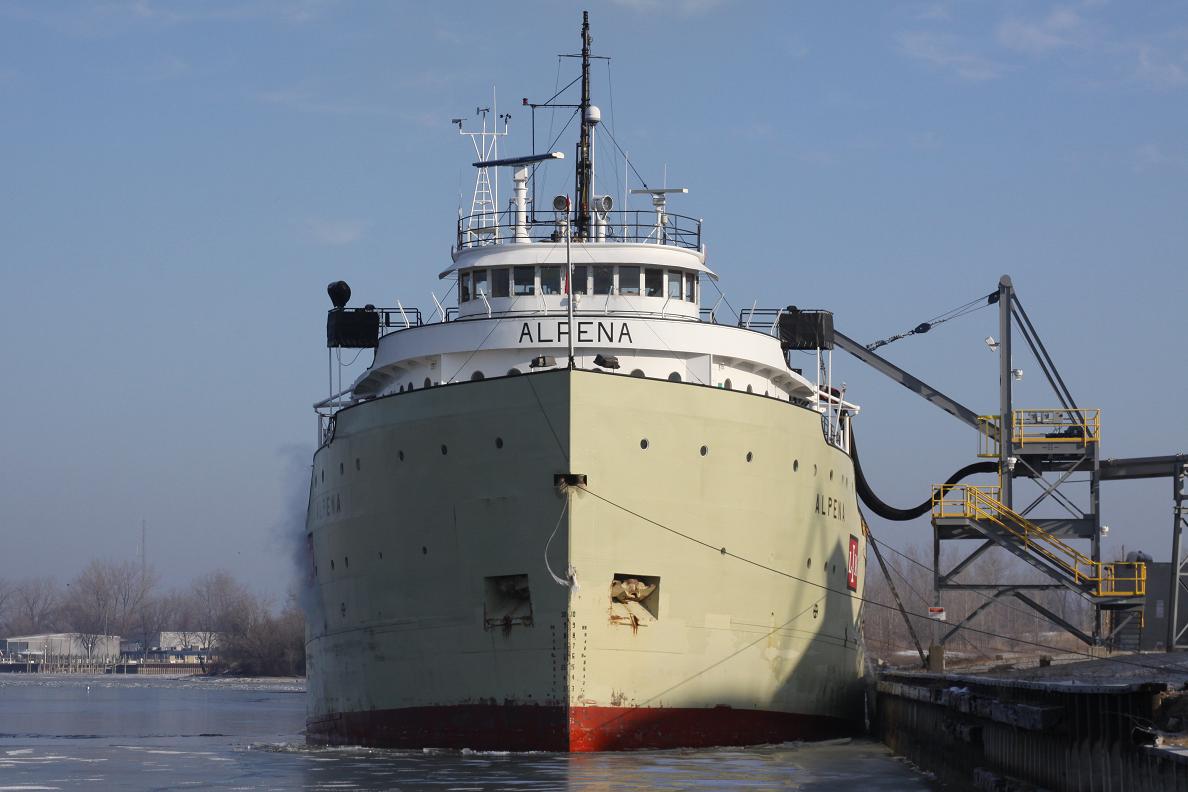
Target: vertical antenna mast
482	225
585	158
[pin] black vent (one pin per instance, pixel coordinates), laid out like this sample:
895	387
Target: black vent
806	329
352	328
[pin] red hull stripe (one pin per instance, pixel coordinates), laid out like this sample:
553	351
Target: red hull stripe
553	728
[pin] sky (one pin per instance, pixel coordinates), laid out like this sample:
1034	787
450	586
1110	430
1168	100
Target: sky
180	181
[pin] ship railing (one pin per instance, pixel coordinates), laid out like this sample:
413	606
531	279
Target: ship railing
634	226
762	320
1056	425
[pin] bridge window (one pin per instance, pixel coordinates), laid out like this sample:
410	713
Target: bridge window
674	285
499	282
481	289
629	280
523	281
690	287
653	283
580	286
604	279
550	280
464	287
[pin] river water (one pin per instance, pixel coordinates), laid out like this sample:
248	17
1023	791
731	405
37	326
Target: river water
142	733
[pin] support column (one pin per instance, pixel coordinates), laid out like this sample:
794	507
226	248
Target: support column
1005	420
1179	522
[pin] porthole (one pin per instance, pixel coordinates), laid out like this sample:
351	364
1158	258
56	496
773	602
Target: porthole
513	372
323	474
810	563
499	442
424	550
704	450
795	465
444	449
346	561
341	469
476	376
400	455
357	463
727	384
637	372
381	555
831	475
750	389
674	377
331	564
428	383
750	456
643	443
814	470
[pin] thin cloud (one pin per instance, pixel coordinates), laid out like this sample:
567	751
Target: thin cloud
305	101
115	17
334	232
948	53
935	12
1156	70
684	7
1151	156
1061	28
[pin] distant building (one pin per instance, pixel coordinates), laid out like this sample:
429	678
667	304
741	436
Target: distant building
172	647
54	646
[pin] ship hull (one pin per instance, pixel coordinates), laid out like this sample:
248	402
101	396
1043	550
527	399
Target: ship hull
510	727
464	542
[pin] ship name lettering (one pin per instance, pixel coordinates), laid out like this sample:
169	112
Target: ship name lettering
588	332
830	507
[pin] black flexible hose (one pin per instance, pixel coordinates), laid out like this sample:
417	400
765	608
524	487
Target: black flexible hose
888	512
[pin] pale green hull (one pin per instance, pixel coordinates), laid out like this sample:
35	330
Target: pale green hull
745	540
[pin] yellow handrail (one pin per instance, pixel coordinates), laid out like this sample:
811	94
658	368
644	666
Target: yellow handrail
1055	425
1109	579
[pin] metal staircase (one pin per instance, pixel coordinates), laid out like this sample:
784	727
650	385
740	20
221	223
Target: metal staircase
976	510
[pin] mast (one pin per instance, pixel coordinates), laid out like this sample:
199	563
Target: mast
585	153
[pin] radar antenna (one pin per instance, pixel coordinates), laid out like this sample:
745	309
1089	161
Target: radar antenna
482	225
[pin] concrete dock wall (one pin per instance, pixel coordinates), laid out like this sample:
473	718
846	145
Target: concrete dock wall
998	734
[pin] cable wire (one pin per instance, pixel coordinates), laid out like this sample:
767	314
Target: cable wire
973	305
760	565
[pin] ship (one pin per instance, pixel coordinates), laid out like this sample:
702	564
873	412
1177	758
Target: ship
575	510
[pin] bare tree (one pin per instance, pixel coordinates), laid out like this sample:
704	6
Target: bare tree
34	606
155	615
7	592
89	604
219	605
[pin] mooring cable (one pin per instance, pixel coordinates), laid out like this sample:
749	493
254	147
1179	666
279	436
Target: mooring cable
853	595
